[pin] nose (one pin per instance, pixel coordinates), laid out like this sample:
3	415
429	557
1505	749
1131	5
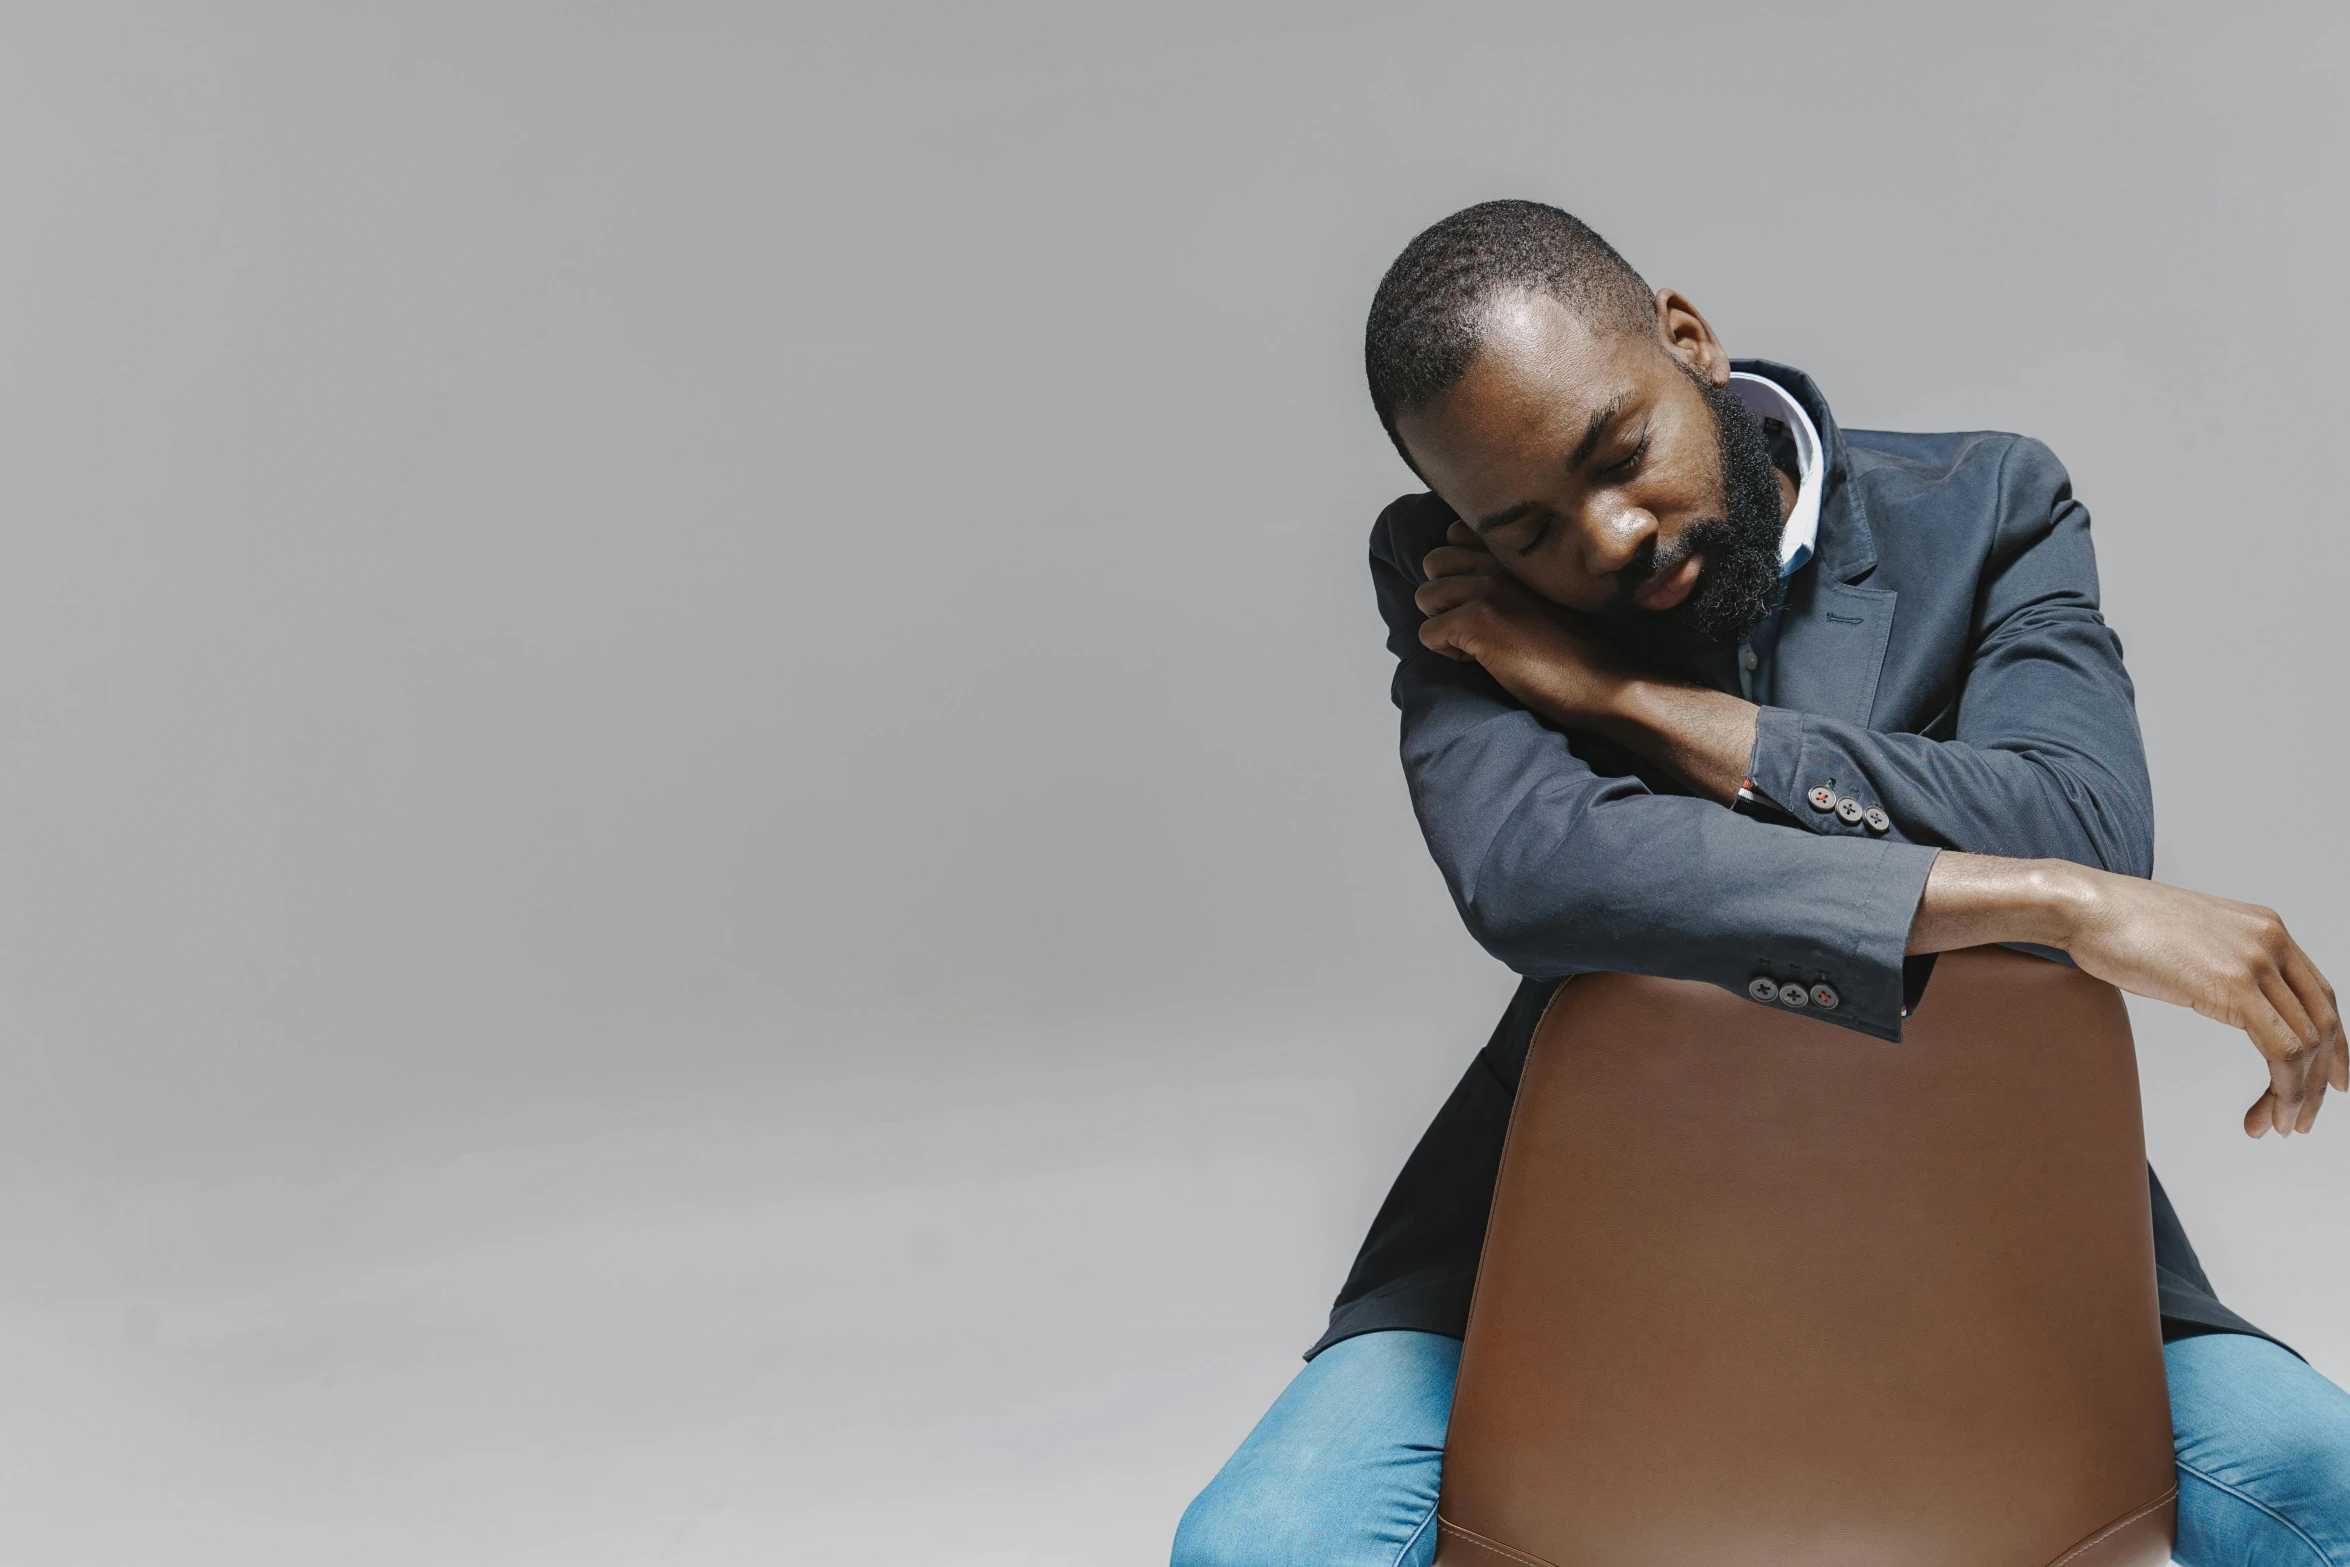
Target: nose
1613	532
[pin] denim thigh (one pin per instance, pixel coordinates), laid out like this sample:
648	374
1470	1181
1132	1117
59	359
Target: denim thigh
1342	1471
2264	1456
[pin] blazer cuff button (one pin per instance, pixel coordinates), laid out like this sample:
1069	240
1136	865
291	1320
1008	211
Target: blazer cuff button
1822	798
1824	997
1878	821
1793	995
1763	988
1849	811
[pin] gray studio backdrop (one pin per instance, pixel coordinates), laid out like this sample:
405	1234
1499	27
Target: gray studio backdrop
701	859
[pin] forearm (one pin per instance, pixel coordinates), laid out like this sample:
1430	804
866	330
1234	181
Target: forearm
1973	900
1703	737
1558	869
2054	802
2055	779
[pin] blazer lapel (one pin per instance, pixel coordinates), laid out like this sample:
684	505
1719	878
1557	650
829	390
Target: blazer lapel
1834	629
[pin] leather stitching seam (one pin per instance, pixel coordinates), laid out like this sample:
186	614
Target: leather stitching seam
1472	1537
2118	1524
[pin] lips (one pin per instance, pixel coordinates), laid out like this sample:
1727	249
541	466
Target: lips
1666	589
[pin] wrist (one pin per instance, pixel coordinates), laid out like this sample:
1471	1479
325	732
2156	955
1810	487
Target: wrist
1971	899
2059	900
1622	706
1704	737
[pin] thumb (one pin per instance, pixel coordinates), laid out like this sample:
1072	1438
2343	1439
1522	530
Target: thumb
2261	1116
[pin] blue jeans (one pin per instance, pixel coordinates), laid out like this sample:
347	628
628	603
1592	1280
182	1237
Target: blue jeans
1342	1470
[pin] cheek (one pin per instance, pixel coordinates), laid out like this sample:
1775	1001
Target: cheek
1692	494
1552	574
1685	480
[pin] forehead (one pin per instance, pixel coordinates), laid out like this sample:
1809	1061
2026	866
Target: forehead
1539	372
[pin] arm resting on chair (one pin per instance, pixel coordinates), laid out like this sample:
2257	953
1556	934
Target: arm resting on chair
2233	962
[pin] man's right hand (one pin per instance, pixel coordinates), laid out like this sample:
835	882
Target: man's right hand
2233	962
1476	610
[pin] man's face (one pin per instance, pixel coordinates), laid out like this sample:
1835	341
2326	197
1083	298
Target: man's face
1609	472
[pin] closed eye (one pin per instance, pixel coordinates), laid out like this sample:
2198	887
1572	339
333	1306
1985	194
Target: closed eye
1629	464
1534	541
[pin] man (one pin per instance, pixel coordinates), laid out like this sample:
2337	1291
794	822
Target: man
1695	683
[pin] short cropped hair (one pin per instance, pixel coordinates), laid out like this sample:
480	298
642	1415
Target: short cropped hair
1425	318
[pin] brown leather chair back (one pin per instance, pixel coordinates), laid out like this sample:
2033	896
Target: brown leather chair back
1759	1290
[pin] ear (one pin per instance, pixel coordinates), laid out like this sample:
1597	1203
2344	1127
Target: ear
1689	338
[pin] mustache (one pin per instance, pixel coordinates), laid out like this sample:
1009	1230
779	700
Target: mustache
1651	561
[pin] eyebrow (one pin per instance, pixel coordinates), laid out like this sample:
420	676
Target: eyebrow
1502	519
1575	459
1593	431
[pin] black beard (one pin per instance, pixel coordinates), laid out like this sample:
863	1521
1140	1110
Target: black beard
1740	579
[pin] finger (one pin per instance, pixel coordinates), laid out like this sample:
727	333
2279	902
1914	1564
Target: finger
1448	561
2261	1117
2288	1062
2259	1010
2306	978
2317	995
2318	1070
2298	1020
1437	633
1446	593
1462	534
2288	1085
2318	1001
2293	1102
2288	1090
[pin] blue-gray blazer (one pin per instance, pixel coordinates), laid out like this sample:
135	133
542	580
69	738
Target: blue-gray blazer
1942	656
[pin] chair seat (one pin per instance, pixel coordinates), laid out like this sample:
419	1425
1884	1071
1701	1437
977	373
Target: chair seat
1759	1291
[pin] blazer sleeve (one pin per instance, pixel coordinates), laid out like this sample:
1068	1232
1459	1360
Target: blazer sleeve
2045	758
1558	869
